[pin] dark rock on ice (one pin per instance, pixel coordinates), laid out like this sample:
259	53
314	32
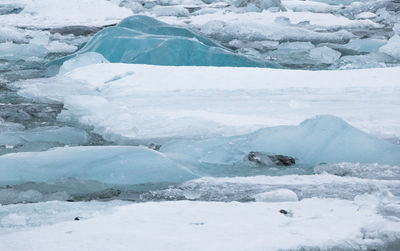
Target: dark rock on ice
268	159
154	147
283	211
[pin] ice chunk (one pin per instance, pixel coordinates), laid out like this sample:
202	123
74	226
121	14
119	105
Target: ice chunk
293	53
365	45
371	60
310	6
144	40
178	11
392	48
82	60
27	52
325	55
396	28
59	47
107	164
62	135
278	195
257	5
11	34
41	138
366	15
321	139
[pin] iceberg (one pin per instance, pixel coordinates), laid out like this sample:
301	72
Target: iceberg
145	40
322	139
107	164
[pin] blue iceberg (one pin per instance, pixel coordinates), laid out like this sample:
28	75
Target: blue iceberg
107	164
322	139
145	40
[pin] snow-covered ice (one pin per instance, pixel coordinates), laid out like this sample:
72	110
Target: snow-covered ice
189	225
124	102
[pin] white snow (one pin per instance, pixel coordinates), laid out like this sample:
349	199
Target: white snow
189	225
58	13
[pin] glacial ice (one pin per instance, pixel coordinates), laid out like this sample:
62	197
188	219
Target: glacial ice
323	139
41	138
82	60
144	40
107	164
178	11
392	48
325	55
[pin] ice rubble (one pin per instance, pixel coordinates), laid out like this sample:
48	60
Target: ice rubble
369	171
392	48
245	189
107	164
144	40
241	25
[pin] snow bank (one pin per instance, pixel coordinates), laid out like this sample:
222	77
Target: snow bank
188	225
59	13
